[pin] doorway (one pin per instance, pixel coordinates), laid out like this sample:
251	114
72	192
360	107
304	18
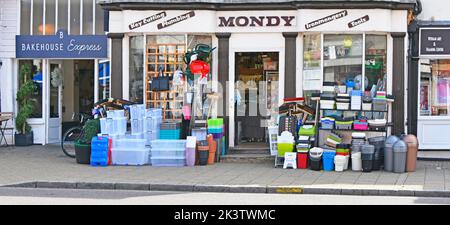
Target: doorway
256	94
70	88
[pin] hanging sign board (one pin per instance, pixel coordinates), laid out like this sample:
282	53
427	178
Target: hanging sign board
435	42
61	46
326	19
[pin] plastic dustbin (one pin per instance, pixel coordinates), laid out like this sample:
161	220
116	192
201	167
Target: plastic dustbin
411	156
389	153
356	161
378	143
302	160
328	160
367	155
400	149
315	157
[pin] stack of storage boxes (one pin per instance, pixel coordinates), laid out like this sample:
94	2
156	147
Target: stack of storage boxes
168	153
327	123
343	101
152	124
356	100
137	114
115	124
216	128
170	131
101	151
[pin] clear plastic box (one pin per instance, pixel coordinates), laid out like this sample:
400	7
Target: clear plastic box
130	156
119	126
166	161
168	144
137	126
168	152
129	142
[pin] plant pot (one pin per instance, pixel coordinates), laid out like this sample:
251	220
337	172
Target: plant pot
23	139
203	157
83	153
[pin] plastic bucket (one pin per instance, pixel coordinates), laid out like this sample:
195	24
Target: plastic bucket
328	161
339	162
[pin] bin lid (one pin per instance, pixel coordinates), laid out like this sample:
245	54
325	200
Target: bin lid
400	146
391	140
376	139
316	151
411	140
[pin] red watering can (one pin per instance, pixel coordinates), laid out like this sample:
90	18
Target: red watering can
198	66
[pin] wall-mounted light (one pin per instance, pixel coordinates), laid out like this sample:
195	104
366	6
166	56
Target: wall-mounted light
48	28
1	64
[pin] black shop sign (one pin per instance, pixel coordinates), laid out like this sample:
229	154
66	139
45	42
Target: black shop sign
435	41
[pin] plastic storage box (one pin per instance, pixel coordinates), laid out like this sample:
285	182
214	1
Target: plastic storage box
170	134
200	133
379	104
327	104
307	130
168	161
170	126
344	125
327	123
342	105
130	156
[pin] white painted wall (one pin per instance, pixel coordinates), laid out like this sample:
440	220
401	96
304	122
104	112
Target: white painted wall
435	10
8	27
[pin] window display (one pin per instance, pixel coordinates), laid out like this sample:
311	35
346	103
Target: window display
312	67
36	71
342	60
136	82
375	65
435	87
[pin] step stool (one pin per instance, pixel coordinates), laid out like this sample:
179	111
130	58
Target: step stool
290	160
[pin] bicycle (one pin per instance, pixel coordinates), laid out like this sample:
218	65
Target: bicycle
73	135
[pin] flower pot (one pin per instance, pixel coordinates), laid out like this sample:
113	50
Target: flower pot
203	157
83	153
23	139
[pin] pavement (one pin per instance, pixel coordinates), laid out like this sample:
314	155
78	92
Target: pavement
47	167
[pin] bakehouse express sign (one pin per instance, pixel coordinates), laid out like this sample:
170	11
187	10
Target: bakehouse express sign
61	46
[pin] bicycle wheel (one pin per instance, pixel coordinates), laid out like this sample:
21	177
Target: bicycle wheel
69	139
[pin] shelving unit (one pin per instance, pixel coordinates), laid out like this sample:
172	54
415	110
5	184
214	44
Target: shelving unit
371	129
165	59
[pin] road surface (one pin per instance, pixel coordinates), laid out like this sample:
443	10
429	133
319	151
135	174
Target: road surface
20	196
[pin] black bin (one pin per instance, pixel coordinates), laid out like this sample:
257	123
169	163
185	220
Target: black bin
315	163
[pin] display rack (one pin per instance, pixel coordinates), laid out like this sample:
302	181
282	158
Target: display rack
384	129
164	60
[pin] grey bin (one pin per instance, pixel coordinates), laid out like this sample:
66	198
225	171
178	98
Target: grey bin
400	149
389	153
367	157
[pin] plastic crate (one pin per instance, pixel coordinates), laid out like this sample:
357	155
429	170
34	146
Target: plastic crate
307	130
130	156
168	161
379	104
327	125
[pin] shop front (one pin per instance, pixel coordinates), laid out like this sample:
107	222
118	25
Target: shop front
260	57
433	120
63	45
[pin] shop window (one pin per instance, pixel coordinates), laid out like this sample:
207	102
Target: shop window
375	66
342	59
25	15
38	18
75	17
50	18
37	76
63	12
312	67
164	55
88	17
103	80
435	87
136	70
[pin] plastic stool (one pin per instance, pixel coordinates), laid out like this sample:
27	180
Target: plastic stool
290	160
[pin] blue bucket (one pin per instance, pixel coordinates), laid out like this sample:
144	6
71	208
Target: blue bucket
328	160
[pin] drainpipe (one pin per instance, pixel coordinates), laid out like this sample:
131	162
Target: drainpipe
413	29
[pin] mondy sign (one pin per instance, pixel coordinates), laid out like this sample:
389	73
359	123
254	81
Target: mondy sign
61	46
256	21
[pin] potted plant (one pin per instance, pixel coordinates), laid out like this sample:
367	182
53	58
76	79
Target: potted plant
83	145
24	134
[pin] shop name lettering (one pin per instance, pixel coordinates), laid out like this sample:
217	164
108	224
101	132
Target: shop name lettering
147	20
176	20
434	48
253	21
326	19
359	21
71	47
